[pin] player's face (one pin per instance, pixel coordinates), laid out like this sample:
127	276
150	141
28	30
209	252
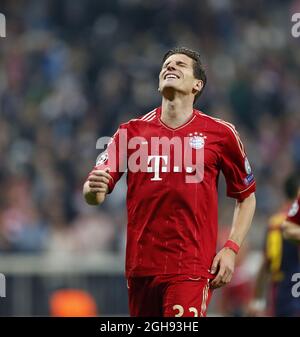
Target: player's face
177	74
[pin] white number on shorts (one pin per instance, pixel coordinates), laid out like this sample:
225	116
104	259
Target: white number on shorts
194	310
181	310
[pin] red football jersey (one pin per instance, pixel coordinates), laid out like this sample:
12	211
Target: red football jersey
294	212
172	205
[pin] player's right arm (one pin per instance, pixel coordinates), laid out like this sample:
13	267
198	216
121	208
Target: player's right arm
96	186
107	171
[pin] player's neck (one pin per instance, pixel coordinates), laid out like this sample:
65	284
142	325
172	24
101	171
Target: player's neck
176	112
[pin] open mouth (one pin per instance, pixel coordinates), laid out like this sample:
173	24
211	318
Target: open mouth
170	76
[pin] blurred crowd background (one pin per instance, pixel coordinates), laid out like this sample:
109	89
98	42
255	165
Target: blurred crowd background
72	71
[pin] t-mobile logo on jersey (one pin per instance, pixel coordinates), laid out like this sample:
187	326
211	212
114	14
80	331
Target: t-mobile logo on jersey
154	155
154	167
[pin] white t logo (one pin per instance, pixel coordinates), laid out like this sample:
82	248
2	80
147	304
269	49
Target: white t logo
156	166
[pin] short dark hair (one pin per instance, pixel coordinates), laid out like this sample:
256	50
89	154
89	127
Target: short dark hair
199	71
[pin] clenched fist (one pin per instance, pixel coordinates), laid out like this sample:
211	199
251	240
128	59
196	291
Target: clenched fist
96	186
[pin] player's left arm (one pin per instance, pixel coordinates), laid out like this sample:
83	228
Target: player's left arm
224	261
241	186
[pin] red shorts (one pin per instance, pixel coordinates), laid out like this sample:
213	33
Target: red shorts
168	296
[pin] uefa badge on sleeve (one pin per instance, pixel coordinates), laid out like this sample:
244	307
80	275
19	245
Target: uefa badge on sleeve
102	158
247	166
250	177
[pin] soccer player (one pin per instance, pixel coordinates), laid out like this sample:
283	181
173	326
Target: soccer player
171	261
281	260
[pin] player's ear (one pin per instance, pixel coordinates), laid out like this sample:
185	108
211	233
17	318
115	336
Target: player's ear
198	85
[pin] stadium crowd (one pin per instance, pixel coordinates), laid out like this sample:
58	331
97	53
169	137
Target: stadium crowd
72	71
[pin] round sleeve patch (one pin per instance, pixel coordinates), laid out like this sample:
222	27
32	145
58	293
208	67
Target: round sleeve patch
102	158
247	166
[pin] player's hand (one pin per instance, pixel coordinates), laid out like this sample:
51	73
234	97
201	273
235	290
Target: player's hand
223	267
98	181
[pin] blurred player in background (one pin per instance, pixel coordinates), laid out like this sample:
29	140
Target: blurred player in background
233	299
281	260
291	227
171	261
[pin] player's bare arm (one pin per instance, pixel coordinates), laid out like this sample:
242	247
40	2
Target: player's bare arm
96	187
291	231
224	261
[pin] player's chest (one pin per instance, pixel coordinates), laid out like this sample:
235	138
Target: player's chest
173	152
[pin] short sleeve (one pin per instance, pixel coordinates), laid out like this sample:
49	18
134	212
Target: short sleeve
235	166
114	158
294	212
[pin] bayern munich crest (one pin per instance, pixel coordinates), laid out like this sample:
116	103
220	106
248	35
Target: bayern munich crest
197	140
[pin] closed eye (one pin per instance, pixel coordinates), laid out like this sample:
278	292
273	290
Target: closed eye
165	65
182	64
179	63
